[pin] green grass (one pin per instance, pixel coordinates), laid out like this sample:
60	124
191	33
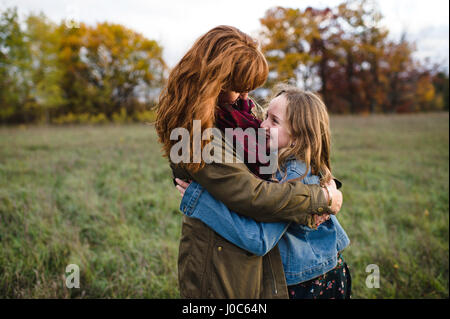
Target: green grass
102	197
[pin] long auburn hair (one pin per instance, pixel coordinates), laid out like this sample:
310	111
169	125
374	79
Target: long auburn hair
309	128
224	58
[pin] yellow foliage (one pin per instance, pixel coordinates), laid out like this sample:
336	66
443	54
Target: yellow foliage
98	119
145	116
83	118
120	117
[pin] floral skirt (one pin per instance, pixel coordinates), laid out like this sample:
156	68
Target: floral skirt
335	284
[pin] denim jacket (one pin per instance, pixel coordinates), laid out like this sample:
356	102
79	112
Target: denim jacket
305	253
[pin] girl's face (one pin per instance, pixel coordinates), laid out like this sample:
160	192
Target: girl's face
275	118
228	97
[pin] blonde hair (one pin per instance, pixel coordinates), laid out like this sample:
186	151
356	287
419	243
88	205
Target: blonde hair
308	126
224	58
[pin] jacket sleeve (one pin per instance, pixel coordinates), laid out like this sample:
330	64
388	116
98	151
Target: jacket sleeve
246	233
241	191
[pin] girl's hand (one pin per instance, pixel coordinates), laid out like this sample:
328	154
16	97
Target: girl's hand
319	219
182	185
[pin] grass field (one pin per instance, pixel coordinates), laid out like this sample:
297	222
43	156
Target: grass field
102	198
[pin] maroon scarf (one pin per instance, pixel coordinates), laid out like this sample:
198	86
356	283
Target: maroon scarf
239	115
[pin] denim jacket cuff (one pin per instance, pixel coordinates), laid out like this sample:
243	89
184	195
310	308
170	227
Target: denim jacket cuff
190	198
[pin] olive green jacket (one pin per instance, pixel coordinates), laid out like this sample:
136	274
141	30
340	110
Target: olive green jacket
211	267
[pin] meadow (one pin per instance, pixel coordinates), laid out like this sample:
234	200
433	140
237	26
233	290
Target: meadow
102	197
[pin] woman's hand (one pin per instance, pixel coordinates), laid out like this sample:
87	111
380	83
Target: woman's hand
336	197
182	185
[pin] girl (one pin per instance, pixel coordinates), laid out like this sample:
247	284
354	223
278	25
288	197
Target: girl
205	85
312	263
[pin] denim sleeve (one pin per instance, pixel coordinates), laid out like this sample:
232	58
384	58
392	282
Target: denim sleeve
256	237
296	169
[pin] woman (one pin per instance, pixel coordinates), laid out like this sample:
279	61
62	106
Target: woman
226	62
312	260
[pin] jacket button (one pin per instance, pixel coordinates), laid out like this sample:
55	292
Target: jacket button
219	248
320	209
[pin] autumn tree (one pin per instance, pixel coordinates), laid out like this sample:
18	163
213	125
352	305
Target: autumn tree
116	65
346	56
14	68
49	71
441	85
45	71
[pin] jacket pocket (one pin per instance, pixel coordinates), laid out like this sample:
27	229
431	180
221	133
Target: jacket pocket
192	257
233	272
323	241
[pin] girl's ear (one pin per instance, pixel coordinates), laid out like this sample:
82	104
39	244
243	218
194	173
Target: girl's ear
292	143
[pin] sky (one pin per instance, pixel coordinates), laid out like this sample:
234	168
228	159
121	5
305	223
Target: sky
176	24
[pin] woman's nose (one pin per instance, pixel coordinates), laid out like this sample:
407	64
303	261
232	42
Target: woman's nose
244	96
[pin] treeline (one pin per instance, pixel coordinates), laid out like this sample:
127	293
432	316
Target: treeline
69	72
345	55
76	73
